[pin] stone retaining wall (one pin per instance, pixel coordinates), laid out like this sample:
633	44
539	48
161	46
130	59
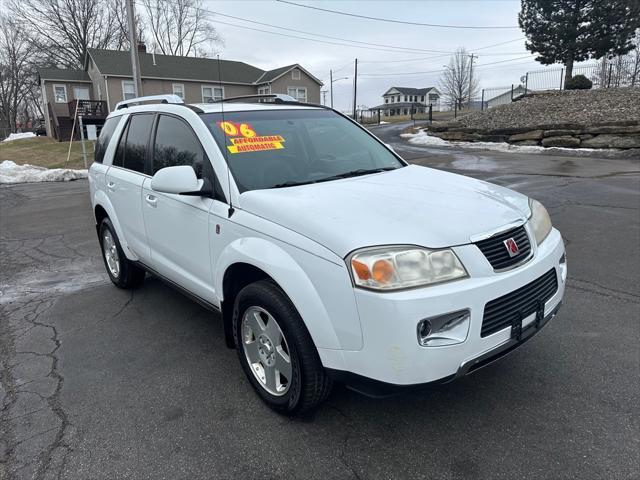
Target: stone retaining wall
624	134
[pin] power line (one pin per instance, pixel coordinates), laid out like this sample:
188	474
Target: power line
441	56
326	36
440	70
479	27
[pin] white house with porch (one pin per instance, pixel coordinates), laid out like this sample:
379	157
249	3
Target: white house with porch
404	100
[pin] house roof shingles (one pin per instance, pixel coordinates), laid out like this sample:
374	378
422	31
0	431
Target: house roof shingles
112	62
63	75
271	75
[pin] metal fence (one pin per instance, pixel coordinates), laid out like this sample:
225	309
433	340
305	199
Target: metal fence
494	96
613	73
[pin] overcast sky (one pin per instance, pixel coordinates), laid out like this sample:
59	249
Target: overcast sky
268	51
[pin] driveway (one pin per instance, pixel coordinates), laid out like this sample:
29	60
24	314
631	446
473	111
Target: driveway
101	383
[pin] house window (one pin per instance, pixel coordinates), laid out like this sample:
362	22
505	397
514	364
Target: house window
422	98
265	90
60	93
212	94
433	97
295	74
405	98
386	100
128	90
178	89
299	93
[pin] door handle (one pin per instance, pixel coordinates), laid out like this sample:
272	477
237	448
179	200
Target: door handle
111	185
151	200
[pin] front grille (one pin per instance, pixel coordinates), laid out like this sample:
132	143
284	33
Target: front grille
496	252
519	304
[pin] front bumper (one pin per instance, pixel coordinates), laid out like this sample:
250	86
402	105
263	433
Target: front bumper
391	355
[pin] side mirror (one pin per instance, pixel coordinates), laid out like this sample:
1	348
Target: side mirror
180	180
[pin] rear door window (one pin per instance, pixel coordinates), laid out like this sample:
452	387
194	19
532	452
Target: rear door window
137	139
105	137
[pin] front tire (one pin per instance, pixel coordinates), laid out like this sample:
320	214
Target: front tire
122	272
276	351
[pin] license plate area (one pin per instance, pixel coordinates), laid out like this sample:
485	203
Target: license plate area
520	323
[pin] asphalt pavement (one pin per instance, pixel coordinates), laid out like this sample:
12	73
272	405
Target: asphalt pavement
100	383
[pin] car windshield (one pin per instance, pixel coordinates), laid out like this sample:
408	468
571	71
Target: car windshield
283	148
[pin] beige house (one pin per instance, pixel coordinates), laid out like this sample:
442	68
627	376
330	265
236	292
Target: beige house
107	79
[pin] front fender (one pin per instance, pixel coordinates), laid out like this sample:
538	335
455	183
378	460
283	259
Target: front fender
100	198
320	290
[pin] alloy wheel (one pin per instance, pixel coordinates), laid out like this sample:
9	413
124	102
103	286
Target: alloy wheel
110	252
266	350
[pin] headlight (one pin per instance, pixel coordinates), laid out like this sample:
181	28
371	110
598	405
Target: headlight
393	268
539	221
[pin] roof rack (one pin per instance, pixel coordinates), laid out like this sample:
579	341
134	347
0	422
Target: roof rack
276	97
279	98
170	98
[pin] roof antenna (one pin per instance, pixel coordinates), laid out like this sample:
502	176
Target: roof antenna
224	132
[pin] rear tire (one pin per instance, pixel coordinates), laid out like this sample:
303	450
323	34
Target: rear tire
122	271
268	330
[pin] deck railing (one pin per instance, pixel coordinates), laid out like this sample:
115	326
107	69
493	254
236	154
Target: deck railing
88	108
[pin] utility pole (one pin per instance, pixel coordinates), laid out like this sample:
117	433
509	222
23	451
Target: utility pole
331	82
355	88
133	43
470	78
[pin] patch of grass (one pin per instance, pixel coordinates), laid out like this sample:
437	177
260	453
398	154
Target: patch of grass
45	152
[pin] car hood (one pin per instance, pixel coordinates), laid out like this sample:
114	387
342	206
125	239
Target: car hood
411	205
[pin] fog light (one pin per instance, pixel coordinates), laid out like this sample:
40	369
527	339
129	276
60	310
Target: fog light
447	329
563	267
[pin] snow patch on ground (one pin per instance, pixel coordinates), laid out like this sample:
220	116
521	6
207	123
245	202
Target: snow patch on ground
19	136
10	172
422	138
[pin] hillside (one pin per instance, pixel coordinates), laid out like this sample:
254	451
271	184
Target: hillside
604	118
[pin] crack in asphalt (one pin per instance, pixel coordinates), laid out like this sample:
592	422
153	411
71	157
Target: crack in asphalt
33	310
342	454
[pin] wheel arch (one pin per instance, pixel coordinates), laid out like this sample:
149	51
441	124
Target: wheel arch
102	208
251	259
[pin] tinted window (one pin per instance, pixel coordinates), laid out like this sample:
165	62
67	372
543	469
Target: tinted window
118	159
105	136
137	138
176	144
277	148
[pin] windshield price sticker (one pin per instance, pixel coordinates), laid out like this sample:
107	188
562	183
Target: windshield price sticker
246	140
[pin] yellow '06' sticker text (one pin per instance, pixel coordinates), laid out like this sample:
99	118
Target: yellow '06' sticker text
246	139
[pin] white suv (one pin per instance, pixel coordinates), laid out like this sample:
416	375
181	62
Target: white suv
328	256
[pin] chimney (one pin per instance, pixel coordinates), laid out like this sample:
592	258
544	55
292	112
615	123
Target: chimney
142	48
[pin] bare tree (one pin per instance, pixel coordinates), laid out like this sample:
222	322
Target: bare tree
180	27
458	83
62	30
15	66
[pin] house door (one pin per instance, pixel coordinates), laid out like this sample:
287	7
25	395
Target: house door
81	93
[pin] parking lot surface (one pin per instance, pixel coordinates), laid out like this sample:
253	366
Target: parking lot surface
100	383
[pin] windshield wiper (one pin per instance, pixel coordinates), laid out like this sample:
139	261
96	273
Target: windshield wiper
290	183
352	173
357	173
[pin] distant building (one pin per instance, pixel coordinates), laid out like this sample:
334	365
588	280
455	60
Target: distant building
402	100
505	97
106	79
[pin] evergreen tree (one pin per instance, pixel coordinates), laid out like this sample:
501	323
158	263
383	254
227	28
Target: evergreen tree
568	31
